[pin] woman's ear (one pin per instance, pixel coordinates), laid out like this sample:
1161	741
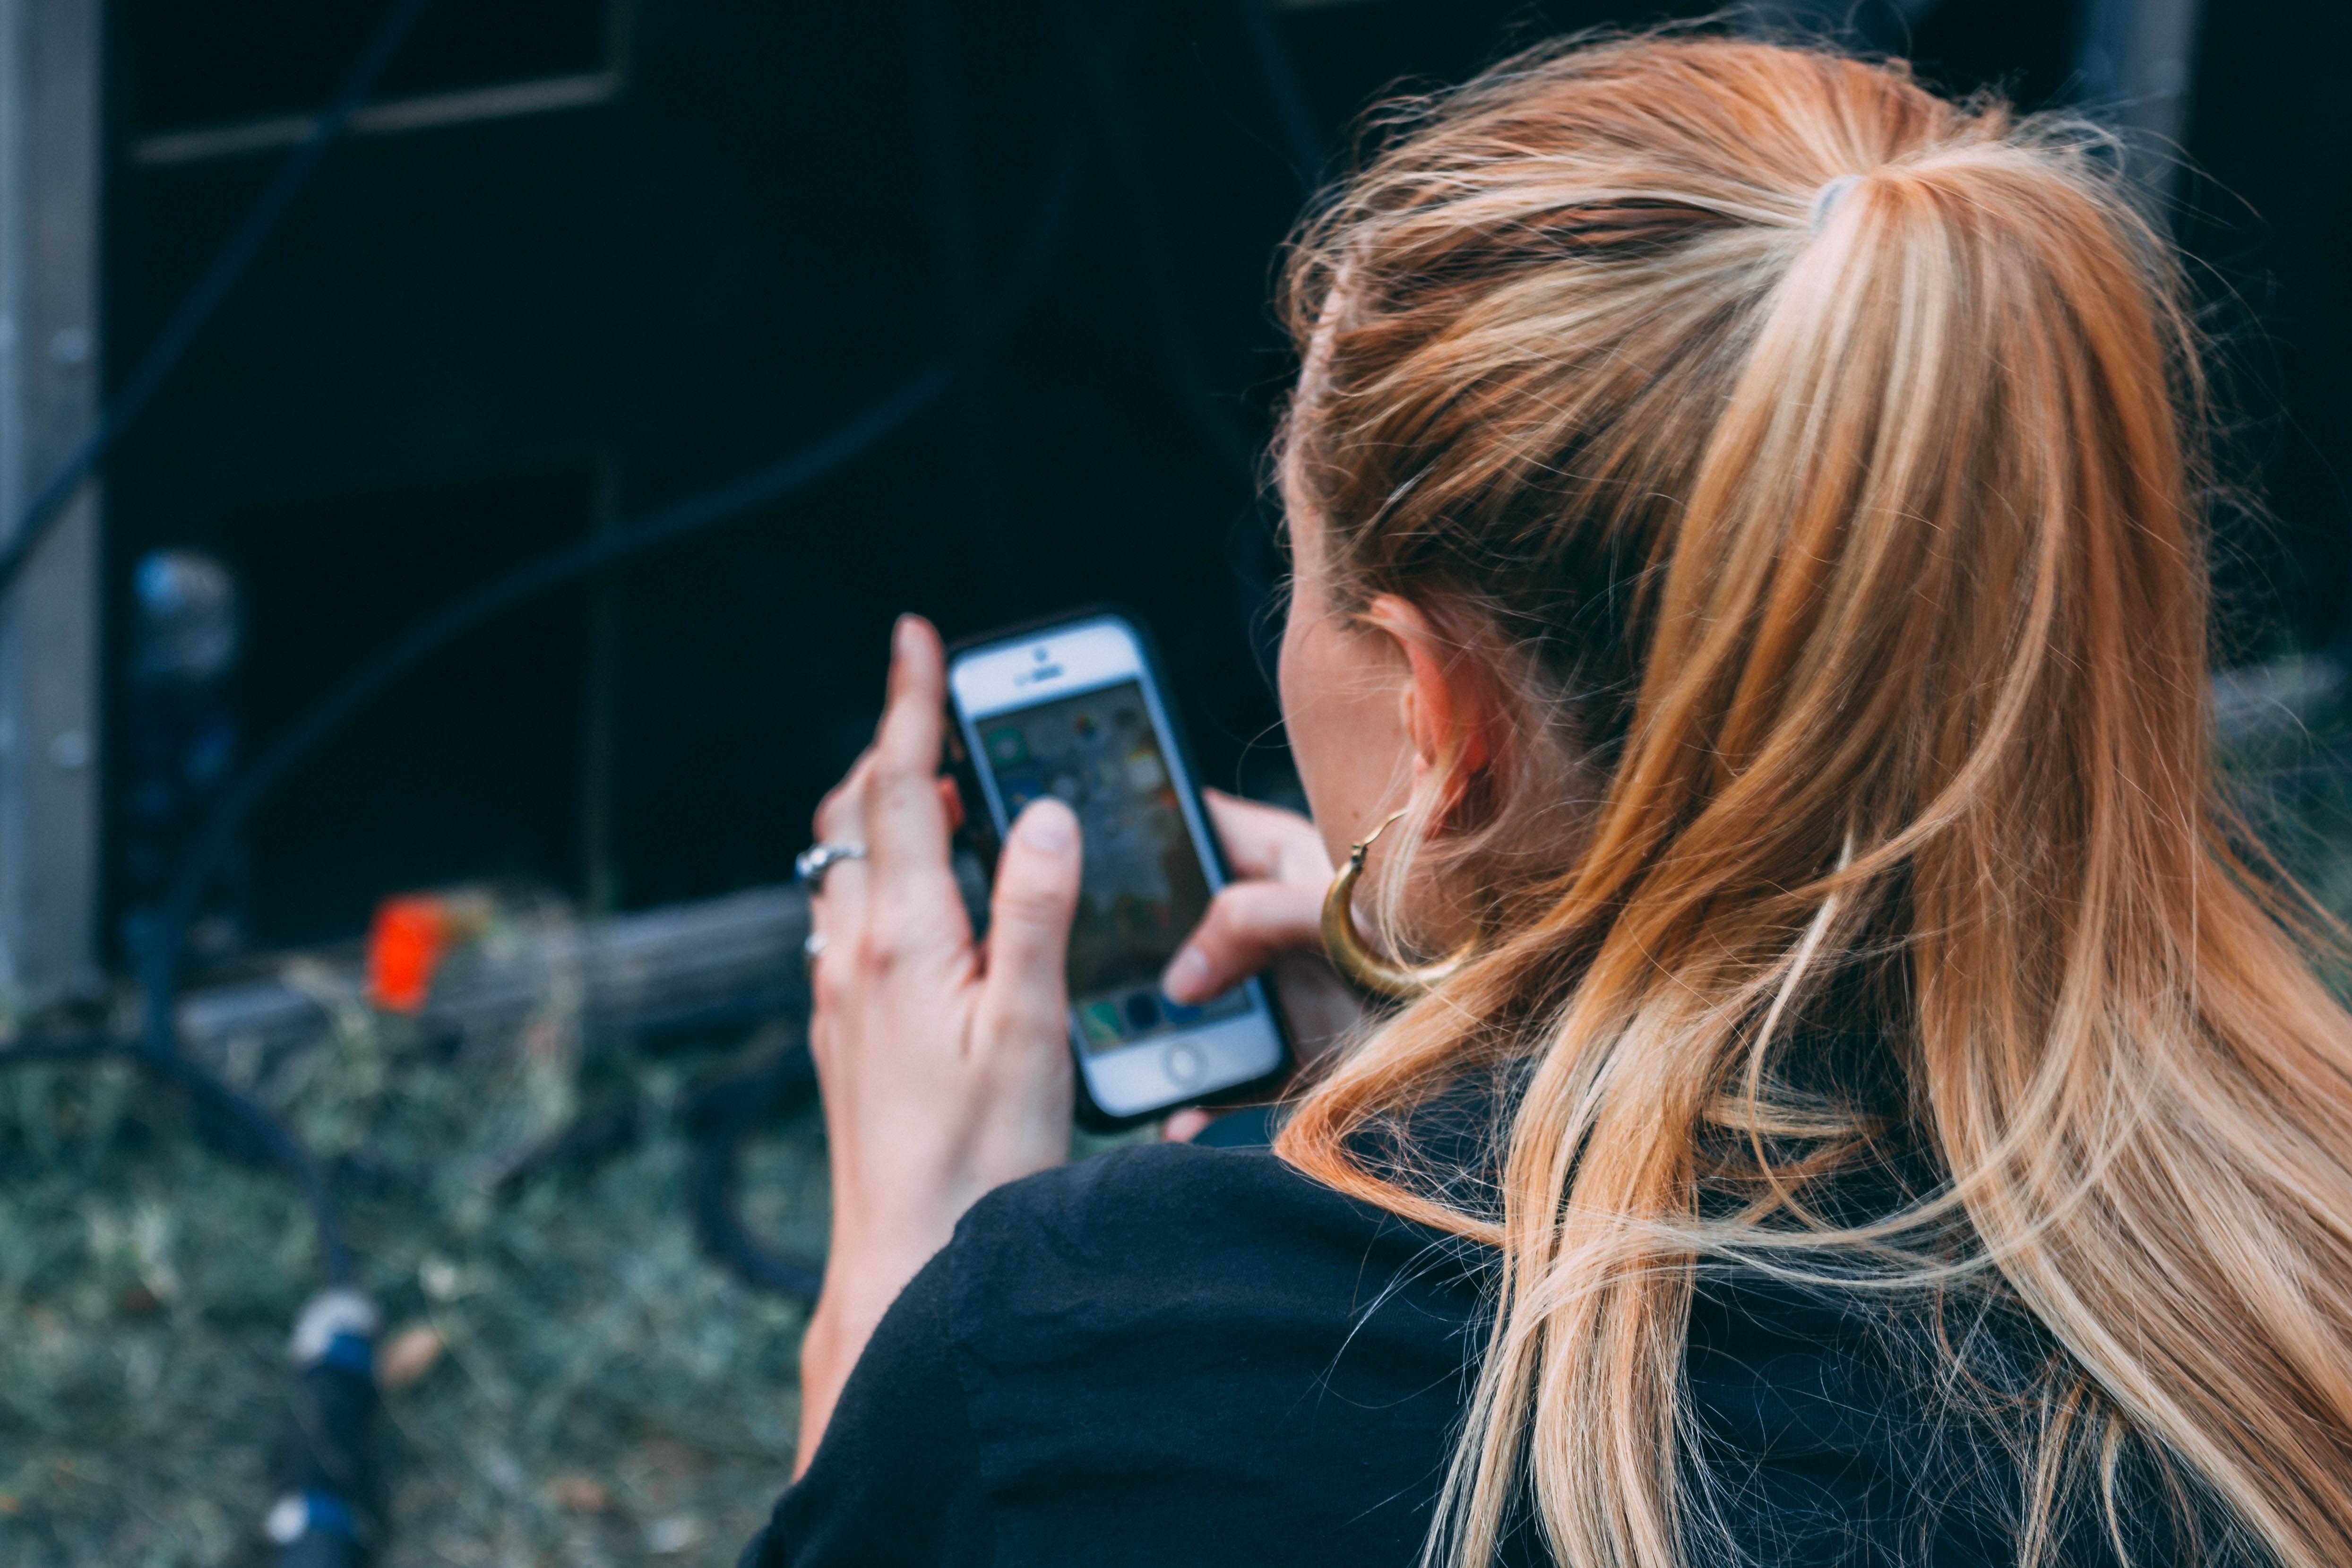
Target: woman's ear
1447	710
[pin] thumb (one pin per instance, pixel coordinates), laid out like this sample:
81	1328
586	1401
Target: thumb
1248	926
1029	916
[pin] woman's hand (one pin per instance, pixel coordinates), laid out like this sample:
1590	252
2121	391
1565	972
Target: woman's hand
1269	918
945	1067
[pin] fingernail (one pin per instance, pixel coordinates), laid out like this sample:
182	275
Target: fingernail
902	637
1187	979
1049	825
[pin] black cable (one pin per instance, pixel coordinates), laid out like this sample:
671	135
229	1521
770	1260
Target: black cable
218	1098
720	1117
163	937
162	355
336	1402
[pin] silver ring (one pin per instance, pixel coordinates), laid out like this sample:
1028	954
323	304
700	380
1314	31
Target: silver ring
811	945
818	859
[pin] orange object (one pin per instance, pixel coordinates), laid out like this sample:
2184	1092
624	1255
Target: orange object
405	946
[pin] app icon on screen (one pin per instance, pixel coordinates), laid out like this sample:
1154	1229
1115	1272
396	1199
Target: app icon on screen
1020	789
1100	1022
1145	774
1008	747
1142	1011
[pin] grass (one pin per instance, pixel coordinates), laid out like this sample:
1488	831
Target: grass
606	1394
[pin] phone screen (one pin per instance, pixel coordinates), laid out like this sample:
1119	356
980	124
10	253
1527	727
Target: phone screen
1143	889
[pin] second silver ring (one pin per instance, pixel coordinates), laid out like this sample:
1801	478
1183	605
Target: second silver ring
815	860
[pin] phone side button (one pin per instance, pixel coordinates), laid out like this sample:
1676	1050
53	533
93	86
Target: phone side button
1182	1063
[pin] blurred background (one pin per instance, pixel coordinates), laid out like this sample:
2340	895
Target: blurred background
475	450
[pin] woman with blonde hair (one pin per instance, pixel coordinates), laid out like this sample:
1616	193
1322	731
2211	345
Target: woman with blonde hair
1854	1098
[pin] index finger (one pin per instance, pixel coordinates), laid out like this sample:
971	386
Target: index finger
907	826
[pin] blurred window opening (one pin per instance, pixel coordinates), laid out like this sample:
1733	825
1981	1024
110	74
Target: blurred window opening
228	76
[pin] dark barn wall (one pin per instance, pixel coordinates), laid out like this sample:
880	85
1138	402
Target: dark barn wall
2267	214
467	344
665	291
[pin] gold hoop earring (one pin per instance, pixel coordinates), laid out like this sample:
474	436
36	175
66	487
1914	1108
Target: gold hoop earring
1352	957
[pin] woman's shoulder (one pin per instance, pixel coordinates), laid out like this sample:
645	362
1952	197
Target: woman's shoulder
1164	1230
1163	1340
1151	1196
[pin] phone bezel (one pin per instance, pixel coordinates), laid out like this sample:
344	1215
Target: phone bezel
1148	672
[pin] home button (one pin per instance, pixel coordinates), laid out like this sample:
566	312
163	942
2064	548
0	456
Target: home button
1182	1063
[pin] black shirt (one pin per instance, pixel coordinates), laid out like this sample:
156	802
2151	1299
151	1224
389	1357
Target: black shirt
1170	1354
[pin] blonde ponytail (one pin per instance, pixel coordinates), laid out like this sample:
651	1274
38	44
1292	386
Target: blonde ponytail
1814	459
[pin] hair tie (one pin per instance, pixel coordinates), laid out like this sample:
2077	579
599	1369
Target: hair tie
1827	197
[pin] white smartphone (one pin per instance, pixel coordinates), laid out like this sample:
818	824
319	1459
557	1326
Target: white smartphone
1076	709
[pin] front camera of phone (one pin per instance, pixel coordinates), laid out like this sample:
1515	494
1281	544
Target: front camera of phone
1038	653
